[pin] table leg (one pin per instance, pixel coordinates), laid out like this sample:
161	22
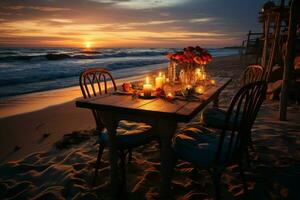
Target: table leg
216	102
117	188
166	130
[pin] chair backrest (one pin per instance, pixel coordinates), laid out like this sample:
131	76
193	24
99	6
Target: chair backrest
93	80
241	115
252	73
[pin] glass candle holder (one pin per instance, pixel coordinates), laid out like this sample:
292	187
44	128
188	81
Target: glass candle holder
147	88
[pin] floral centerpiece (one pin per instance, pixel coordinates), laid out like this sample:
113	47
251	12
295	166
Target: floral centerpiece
191	61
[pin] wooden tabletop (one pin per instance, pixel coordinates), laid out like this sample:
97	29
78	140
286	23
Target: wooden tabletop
180	109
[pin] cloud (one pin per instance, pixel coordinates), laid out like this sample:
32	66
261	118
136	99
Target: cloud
200	20
62	21
48	9
127	22
143	4
39	8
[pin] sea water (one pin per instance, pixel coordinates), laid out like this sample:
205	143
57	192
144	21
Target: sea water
28	70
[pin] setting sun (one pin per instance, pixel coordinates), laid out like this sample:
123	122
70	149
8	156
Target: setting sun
88	45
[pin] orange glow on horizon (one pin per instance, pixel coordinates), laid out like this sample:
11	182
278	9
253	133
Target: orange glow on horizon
35	33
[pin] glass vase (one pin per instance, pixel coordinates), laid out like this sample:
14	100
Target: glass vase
201	74
188	78
172	71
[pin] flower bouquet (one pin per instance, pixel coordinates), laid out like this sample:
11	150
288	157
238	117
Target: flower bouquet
191	61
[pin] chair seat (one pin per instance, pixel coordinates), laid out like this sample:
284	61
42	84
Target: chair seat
130	135
215	118
198	145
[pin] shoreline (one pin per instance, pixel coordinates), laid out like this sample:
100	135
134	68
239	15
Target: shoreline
35	101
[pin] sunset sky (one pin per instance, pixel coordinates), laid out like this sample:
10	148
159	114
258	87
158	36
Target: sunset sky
126	23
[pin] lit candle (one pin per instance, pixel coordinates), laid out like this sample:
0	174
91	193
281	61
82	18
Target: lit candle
200	89
147	88
198	73
164	78
170	96
188	87
159	81
213	82
203	76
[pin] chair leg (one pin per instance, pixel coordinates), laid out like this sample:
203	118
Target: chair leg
129	156
251	145
123	170
247	157
217	184
100	152
243	178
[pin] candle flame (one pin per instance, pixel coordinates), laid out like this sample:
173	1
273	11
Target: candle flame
200	89
147	80
160	74
188	87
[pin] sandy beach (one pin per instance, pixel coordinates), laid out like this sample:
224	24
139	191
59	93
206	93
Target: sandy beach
32	116
33	167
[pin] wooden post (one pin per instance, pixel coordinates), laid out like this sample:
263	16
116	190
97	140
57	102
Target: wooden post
276	40
289	59
266	41
248	39
247	48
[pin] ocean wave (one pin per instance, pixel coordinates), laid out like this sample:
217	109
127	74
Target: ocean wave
49	56
57	56
26	70
131	64
50	74
8	53
90	52
80	55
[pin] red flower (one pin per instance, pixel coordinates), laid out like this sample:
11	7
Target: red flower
190	48
199	49
191	55
169	56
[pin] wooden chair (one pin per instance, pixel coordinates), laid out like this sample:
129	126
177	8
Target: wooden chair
252	73
215	117
94	82
217	150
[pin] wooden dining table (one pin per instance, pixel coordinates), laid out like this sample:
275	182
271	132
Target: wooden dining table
161	114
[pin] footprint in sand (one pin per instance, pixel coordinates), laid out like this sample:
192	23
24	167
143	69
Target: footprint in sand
17	148
39	126
45	135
